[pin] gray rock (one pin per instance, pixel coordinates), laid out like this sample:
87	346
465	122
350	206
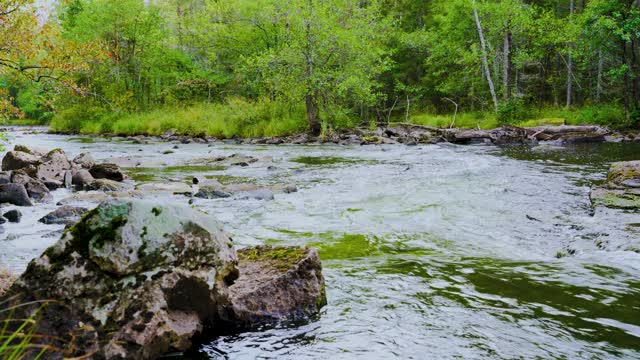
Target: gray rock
5	177
14	216
15	194
64	215
15	160
82	178
622	173
85	160
53	166
20	177
211	192
33	150
133	279
277	283
107	186
38	191
107	171
52	184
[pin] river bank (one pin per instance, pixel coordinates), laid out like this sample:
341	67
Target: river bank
493	249
413	134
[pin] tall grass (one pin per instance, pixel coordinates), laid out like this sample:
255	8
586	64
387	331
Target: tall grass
240	118
605	114
235	118
18	343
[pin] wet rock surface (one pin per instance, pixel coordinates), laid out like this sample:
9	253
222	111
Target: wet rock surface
65	214
622	189
135	279
277	283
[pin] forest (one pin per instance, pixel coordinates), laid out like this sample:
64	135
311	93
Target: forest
248	68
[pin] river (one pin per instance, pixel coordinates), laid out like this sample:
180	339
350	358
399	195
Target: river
431	251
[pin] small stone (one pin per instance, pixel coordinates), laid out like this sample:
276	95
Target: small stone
14	216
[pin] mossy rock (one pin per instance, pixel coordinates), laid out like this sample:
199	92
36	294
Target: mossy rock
623	173
277	284
617	199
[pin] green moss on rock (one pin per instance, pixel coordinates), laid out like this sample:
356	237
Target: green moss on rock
280	258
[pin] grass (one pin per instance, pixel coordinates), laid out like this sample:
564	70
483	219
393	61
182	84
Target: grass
19	343
606	114
235	118
240	118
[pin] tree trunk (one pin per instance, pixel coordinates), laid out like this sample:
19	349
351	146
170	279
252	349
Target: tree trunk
625	87
312	114
507	64
485	60
570	62
600	70
311	98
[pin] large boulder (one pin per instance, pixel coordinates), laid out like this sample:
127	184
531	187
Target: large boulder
15	194
15	160
53	166
107	171
133	280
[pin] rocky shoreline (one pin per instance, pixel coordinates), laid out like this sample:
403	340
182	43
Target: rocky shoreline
177	263
413	134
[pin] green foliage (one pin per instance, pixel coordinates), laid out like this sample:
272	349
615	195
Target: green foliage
512	111
339	63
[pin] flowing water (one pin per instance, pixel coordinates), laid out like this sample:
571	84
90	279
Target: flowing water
434	251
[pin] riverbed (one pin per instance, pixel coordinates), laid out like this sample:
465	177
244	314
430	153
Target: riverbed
429	251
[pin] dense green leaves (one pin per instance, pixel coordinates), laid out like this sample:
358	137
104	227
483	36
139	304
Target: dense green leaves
344	61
